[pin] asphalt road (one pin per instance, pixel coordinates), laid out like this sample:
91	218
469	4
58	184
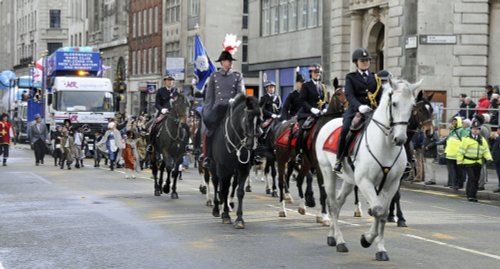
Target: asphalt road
95	218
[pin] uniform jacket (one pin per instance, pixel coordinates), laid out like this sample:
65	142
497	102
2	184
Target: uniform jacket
310	97
471	151
270	105
454	140
222	86
291	106
39	132
495	150
356	90
6	132
163	98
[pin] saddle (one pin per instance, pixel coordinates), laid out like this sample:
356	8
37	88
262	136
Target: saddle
308	123
289	137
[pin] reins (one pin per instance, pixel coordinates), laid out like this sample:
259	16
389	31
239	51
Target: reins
242	140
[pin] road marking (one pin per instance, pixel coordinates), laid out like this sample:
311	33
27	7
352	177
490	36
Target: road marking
453	246
312	215
444	208
34	176
438	193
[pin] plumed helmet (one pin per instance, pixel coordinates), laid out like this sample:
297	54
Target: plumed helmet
298	76
225	56
315	67
269	83
384	75
361	53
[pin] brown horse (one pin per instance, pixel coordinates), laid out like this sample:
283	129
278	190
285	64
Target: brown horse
286	154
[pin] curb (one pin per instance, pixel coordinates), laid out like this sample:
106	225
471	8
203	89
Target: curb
481	195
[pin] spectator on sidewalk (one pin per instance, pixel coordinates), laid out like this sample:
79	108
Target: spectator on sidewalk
496	157
473	149
453	141
489	90
494	105
6	135
130	154
418	146
484	104
38	138
430	155
469	108
463	106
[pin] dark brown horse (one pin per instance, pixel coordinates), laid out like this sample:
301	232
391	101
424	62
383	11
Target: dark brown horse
286	154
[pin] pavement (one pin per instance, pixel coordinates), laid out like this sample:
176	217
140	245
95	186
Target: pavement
442	180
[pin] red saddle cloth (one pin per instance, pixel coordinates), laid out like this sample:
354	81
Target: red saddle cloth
284	138
331	144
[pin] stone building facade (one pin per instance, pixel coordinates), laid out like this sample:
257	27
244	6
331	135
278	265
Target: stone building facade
7	26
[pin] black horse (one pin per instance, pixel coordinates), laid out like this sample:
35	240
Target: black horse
233	144
170	141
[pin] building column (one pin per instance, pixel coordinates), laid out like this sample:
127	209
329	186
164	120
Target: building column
356	30
494	43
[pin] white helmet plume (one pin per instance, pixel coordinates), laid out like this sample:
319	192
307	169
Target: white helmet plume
231	43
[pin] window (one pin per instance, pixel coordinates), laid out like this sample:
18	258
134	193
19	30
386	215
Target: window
80	39
144	58
155	61
172	49
51	47
313	13
133	67
245	15
139	68
283	16
150	20
244	49
173	11
266	17
156	19
292	15
274	17
150	58
194	10
55	18
144	23
139	24
134	26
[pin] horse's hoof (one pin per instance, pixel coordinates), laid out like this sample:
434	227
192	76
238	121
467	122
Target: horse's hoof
174	195
274	194
342	248
365	242
203	189
209	203
282	214
157	193
381	256
248	189
326	223
166	188
330	240
268	191
302	211
239	224
310	202
402	223
226	220
216	213
357	214
288	199
391	219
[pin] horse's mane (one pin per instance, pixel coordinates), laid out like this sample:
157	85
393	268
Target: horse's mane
238	99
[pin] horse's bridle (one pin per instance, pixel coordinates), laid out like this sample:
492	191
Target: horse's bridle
242	144
388	129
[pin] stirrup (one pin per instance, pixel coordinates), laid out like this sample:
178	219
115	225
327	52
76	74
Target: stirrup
338	166
206	163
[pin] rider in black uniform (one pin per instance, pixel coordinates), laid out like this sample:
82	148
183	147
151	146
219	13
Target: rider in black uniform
292	102
362	93
270	102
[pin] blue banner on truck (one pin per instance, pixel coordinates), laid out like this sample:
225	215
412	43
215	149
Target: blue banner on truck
73	61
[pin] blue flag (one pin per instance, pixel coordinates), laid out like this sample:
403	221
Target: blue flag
203	67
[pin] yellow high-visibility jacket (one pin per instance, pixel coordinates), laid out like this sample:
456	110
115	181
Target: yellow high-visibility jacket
471	152
454	140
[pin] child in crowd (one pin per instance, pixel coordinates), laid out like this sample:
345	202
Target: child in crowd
130	154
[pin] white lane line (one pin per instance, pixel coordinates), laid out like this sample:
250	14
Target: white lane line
453	246
34	176
312	215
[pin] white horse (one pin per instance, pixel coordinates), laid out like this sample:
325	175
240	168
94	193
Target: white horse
379	161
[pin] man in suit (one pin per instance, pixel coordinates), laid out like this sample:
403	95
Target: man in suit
38	136
292	102
270	102
363	92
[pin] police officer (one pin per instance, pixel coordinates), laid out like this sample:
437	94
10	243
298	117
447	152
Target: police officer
270	102
223	86
363	93
292	102
164	94
471	152
312	101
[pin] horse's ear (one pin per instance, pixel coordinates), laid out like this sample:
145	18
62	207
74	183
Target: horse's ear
420	95
429	98
416	87
335	83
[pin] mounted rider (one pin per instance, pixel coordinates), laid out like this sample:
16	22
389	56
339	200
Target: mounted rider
270	102
162	105
222	87
292	102
362	89
313	100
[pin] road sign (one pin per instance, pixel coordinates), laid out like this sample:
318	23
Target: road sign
438	39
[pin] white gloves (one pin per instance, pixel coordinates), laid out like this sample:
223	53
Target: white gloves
364	109
274	116
231	100
323	111
315	111
164	110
